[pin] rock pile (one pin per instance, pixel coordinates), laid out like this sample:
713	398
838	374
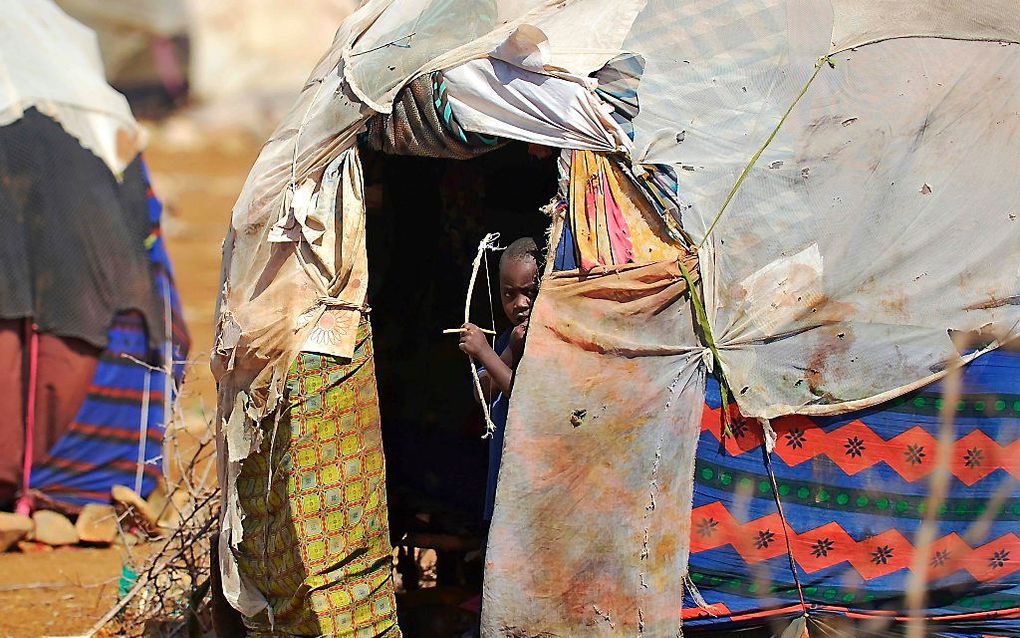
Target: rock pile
127	518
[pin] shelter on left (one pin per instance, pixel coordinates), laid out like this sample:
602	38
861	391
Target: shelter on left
92	337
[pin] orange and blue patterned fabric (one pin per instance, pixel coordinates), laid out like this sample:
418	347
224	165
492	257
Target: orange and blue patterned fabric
100	449
826	524
316	536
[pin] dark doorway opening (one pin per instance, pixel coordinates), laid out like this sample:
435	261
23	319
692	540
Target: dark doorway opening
425	219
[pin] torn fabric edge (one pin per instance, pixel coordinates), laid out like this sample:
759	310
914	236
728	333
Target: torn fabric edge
237	437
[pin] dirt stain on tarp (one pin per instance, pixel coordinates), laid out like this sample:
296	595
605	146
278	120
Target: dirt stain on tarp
993	302
826	311
836	344
667	547
585	600
897	305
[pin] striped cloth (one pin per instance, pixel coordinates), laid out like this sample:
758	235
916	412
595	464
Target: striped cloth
101	447
853	491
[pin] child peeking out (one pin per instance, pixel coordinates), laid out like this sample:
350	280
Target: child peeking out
518	287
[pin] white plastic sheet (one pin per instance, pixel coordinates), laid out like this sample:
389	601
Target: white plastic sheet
835	273
393	42
50	62
858	22
890	172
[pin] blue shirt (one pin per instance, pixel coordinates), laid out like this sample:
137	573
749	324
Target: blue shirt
498	412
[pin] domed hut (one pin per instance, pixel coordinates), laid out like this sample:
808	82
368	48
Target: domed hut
802	212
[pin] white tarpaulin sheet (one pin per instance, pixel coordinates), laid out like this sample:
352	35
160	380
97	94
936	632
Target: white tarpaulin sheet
50	62
858	22
835	272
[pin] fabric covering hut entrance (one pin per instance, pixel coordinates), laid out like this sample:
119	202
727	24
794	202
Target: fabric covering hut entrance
751	191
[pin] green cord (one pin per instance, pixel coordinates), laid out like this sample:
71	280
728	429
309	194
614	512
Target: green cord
699	307
706	330
754	159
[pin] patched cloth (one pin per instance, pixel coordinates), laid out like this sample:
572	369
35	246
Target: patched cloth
313	498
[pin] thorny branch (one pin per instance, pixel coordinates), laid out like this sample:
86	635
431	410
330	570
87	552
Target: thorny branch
170	592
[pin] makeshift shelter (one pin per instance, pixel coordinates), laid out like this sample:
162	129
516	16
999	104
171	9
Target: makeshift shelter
84	262
812	202
117	436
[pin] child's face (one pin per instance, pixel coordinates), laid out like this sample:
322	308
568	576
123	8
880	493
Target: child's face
518	287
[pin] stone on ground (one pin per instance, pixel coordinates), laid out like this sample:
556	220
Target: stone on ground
97	524
13	528
127	502
53	529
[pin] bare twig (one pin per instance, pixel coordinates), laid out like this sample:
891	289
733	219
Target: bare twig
170	596
451	331
487	242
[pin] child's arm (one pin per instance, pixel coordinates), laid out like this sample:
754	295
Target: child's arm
498	373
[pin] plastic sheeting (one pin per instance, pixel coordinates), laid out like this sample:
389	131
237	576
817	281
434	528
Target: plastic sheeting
51	62
592	510
266	293
859	22
834	274
396	41
707	112
281	277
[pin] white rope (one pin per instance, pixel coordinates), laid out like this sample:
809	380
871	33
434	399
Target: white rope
143	431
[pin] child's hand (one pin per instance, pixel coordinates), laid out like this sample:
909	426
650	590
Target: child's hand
517	339
473	341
